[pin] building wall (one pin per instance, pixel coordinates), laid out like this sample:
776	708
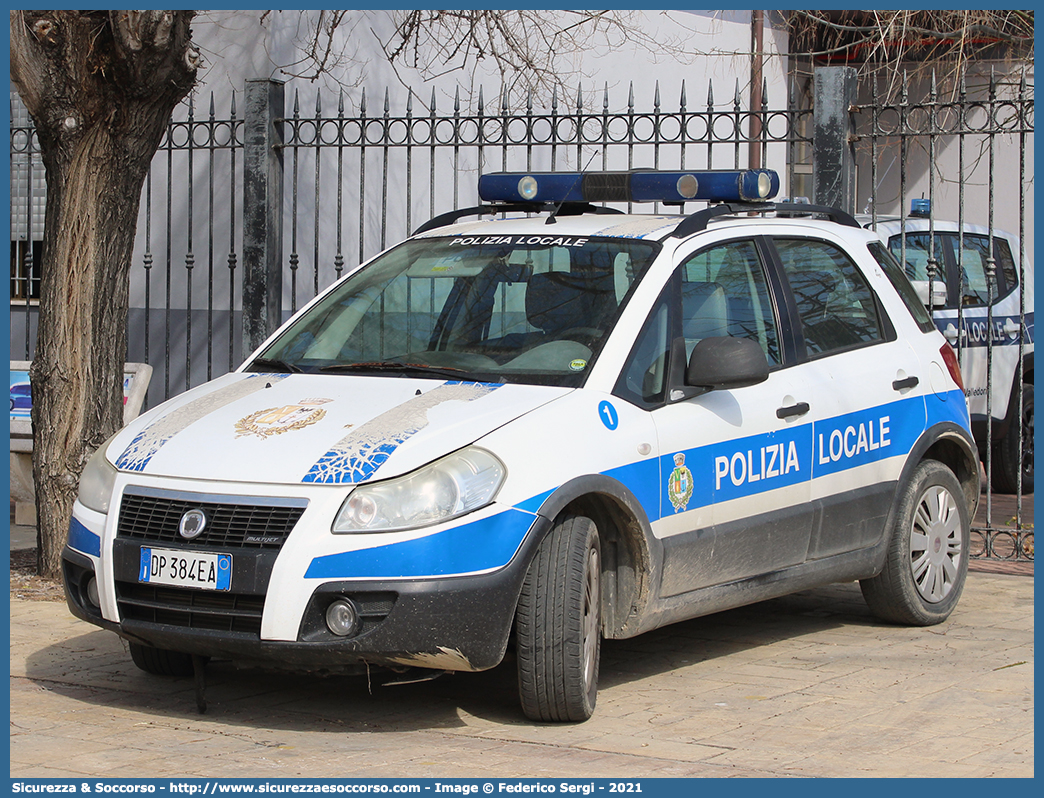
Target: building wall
187	264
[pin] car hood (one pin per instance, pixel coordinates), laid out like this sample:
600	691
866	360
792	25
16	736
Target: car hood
321	429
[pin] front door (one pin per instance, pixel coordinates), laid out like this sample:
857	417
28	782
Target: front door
735	464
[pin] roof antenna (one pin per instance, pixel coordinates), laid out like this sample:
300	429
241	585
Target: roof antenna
551	219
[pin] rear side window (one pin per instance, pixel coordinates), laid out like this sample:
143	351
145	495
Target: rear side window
1006	263
834	300
918	253
895	274
974	260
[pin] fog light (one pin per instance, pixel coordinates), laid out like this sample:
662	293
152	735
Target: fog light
92	592
342	618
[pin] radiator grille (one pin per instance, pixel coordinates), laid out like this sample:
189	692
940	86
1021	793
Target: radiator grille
154	517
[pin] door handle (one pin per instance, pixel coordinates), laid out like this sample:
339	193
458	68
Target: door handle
794	410
902	385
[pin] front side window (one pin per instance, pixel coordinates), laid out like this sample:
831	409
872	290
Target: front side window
834	300
724	292
490	308
717	292
643	380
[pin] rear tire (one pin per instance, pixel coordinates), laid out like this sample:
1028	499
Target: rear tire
160	661
558	624
927	559
1008	450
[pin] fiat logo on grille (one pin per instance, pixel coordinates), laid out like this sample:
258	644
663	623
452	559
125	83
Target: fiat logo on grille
192	524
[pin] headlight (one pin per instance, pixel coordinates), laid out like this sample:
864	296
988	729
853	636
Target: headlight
457	484
97	480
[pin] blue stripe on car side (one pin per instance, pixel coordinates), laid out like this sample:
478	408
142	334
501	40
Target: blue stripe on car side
482	545
82	539
765	462
866	436
747	466
975	329
533	504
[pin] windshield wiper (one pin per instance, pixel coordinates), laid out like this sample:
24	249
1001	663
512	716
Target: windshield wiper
395	366
276	366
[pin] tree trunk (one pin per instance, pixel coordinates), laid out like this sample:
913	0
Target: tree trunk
100	87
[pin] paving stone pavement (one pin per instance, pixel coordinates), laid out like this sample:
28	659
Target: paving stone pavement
807	685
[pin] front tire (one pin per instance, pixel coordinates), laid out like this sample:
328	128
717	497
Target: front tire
558	624
927	559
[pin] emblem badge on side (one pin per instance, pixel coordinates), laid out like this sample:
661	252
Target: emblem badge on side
192	524
680	484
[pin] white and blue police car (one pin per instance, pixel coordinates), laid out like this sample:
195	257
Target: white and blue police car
531	433
989	321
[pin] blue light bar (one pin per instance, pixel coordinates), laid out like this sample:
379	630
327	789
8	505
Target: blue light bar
751	185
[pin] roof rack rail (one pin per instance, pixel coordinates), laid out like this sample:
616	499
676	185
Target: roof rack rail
699	220
559	209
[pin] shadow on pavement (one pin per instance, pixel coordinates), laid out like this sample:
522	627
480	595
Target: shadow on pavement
95	668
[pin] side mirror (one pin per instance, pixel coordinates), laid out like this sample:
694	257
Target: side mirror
938	293
726	363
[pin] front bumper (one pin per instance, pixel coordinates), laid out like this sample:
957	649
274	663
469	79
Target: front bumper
451	623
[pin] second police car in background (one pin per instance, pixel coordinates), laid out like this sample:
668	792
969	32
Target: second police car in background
528	434
965	299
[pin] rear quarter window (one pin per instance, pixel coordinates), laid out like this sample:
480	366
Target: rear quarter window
897	277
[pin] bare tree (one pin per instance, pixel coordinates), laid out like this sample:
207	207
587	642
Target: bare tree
898	47
100	87
530	50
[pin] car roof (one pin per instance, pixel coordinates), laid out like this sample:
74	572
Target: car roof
613	225
650	227
892	225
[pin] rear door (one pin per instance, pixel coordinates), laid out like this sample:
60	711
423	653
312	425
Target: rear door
866	385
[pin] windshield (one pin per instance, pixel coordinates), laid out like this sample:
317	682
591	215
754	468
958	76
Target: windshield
533	309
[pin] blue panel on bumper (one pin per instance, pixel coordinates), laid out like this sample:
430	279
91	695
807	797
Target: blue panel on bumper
470	548
82	539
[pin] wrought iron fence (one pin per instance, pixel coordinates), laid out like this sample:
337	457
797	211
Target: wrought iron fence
394	171
353	183
988	315
226	191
